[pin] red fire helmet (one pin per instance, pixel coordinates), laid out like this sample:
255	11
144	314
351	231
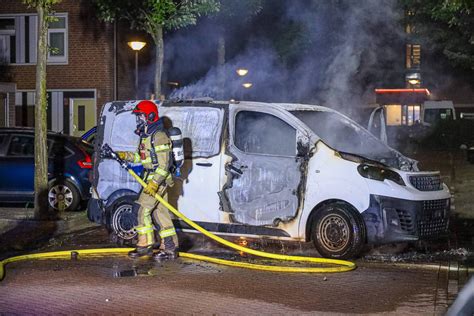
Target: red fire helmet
148	108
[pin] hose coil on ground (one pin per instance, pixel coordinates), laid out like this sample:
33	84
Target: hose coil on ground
340	265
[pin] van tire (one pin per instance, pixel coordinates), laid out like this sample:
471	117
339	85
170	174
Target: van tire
122	218
338	231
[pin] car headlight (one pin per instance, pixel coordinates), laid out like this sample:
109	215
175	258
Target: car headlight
379	173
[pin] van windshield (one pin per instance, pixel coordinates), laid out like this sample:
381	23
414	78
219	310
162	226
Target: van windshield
344	135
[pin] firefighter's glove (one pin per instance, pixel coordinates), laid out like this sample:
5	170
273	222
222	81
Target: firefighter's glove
151	188
122	155
105	152
169	180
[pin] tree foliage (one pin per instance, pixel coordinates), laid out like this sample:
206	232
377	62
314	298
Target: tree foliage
446	24
149	15
231	10
155	16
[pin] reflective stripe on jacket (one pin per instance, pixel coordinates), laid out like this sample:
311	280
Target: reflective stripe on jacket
160	170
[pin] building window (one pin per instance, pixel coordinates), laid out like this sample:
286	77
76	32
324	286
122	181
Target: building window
411	114
19	34
57	40
7	37
413	56
393	115
402	114
25	109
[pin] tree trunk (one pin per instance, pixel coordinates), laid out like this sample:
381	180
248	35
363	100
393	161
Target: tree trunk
159	56
221	63
41	158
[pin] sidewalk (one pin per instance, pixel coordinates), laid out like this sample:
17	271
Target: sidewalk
19	231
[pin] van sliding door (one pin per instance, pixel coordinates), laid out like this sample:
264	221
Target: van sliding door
264	174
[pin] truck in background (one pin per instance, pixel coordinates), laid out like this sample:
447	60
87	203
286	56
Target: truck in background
435	111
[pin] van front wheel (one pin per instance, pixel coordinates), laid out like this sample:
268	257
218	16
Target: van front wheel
337	231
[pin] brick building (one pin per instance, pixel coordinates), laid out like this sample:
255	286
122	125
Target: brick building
87	64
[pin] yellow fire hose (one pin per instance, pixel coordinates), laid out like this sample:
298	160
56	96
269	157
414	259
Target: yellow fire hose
341	265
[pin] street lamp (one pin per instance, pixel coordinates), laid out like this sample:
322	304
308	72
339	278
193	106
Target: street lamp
242	71
136	46
247	85
413	79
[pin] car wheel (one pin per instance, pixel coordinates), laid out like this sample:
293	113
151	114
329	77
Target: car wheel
63	196
122	218
338	231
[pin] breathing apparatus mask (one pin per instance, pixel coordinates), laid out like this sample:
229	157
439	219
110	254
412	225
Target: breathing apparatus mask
141	125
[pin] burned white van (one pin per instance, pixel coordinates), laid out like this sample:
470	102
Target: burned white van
285	171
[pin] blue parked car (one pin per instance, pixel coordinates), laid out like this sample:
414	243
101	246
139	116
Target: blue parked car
68	168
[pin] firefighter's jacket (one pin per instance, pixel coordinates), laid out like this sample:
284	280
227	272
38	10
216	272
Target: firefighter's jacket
158	168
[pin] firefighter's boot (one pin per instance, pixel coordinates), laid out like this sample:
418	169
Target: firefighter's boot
165	255
140	252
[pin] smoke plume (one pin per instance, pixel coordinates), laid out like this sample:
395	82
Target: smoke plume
328	52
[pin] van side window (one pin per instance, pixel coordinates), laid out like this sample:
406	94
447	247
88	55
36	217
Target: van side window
21	146
262	133
201	128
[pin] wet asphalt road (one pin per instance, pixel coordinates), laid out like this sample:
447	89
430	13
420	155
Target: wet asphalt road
120	285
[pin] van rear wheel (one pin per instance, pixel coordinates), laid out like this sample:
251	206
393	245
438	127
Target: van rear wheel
338	231
122	218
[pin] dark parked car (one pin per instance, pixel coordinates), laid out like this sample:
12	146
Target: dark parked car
69	164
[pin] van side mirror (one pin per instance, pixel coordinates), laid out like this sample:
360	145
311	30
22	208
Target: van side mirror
302	150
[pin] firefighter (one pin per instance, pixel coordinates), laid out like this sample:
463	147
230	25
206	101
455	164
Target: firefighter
154	152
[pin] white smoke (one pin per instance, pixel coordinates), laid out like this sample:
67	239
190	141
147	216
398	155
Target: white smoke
344	50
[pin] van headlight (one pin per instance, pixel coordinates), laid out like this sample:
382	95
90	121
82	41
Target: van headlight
379	173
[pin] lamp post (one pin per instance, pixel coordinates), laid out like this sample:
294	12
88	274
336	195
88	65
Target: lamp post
136	46
242	71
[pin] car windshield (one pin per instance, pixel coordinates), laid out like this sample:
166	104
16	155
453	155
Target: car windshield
344	135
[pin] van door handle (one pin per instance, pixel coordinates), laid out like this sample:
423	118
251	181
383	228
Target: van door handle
204	164
233	170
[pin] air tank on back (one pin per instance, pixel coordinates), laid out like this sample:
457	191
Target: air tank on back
178	153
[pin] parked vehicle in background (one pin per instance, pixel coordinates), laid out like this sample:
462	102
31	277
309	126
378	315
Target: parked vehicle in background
291	172
432	113
436	111
69	163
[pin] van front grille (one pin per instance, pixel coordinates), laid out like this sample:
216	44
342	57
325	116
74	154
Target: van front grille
426	182
433	218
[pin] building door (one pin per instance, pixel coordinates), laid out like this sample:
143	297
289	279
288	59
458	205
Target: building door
82	116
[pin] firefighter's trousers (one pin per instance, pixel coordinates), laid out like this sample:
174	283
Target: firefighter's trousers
149	207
